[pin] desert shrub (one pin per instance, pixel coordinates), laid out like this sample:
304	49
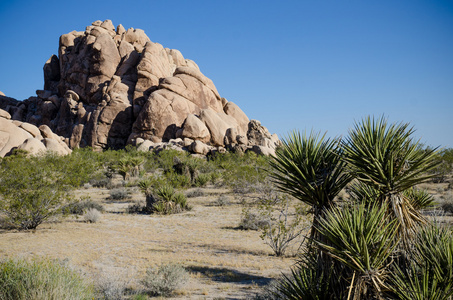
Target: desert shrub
111	285
195	193
82	206
282	226
41	280
92	215
165	158
445	167
137	207
252	221
447	207
165	279
177	180
222	200
119	194
32	191
201	180
101	182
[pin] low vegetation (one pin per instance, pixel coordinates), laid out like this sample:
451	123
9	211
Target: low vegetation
353	210
41	280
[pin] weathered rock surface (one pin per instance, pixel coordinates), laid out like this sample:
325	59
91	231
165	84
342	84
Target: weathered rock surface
25	136
111	86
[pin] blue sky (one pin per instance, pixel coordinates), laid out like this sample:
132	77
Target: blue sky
303	65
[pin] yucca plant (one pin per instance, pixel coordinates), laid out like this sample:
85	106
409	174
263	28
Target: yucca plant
310	168
428	273
387	158
361	238
312	279
419	199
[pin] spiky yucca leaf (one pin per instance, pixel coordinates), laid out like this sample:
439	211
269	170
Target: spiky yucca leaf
309	168
362	193
419	199
429	273
361	237
313	278
386	156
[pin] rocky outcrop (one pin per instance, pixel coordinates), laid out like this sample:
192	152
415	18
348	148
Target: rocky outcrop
111	86
25	136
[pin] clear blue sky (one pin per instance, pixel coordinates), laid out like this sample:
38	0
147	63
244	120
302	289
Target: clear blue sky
290	64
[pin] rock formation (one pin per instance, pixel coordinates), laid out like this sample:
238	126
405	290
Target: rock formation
110	86
25	136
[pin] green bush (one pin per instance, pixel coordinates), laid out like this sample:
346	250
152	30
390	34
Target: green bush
165	280
40	280
32	191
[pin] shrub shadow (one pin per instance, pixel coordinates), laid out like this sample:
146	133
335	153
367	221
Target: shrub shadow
229	275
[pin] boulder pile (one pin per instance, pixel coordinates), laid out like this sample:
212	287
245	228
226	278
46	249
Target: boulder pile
25	136
109	87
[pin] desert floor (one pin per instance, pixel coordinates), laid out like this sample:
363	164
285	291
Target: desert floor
224	262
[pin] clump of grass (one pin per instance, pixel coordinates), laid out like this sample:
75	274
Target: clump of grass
41	280
92	215
165	279
195	193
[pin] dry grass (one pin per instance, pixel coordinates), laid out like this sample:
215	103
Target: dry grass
223	261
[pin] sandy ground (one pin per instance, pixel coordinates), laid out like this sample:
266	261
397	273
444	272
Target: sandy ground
224	261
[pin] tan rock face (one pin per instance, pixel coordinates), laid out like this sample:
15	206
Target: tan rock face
109	86
25	136
195	129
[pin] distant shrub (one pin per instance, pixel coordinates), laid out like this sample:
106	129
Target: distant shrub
447	207
119	194
222	200
195	193
41	280
136	208
92	215
165	280
252	221
82	206
101	183
111	285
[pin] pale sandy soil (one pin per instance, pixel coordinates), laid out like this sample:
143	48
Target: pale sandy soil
224	262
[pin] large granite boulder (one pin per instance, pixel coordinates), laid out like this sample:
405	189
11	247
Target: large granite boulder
111	86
